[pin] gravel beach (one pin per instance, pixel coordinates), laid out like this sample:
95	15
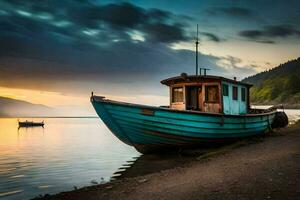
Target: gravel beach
266	169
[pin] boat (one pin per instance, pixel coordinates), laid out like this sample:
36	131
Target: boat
30	123
203	109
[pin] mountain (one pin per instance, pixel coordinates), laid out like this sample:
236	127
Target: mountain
279	85
17	108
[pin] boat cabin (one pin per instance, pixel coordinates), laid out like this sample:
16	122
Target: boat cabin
207	93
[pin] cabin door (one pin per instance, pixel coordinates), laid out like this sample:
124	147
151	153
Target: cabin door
192	98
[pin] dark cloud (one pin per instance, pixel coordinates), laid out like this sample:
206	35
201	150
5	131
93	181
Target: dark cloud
126	63
126	15
164	32
239	12
253	34
281	31
234	61
113	19
123	15
212	37
266	41
154	23
157	14
270	32
50	44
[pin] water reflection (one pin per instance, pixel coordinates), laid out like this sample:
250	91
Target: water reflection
147	164
66	153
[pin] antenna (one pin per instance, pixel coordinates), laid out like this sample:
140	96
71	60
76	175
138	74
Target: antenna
197	43
204	69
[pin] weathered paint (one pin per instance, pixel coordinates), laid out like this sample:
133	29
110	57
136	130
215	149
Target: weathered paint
234	107
138	125
213	107
178	105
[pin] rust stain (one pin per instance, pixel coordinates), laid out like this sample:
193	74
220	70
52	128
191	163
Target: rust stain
146	111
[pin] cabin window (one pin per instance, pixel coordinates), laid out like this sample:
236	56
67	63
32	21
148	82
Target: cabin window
211	93
243	94
225	90
177	94
234	93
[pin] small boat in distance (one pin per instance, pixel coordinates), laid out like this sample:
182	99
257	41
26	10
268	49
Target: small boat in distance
203	110
30	123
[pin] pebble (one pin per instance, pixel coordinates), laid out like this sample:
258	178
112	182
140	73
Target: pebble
109	187
142	180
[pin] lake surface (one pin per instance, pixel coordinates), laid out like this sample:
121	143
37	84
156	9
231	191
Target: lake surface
68	152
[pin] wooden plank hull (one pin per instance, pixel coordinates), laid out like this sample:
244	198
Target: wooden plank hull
148	128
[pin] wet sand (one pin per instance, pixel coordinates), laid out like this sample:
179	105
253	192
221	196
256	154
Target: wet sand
260	168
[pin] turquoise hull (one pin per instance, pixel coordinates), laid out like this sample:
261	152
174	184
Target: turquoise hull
150	128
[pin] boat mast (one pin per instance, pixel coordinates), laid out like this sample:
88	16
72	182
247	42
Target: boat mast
197	43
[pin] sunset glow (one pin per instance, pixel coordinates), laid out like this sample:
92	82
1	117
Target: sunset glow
41	97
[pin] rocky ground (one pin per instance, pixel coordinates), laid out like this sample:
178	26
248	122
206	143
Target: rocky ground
268	168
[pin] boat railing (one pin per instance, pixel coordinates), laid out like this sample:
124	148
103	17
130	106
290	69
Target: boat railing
267	110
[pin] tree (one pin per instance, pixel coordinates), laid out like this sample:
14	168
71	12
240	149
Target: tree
294	84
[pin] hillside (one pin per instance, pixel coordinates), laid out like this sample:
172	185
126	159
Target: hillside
280	85
17	108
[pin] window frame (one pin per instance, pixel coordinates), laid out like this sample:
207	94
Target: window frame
225	87
243	94
173	96
235	93
206	94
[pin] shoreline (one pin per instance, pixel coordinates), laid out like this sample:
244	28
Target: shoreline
285	105
50	117
248	169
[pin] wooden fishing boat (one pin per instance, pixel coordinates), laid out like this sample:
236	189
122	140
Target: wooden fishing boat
203	109
30	123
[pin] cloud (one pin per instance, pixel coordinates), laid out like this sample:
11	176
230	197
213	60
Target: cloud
236	12
278	31
234	61
236	67
212	37
164	33
159	14
126	15
253	34
75	44
138	67
281	31
112	21
265	41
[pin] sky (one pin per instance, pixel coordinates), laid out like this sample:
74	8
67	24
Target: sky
56	52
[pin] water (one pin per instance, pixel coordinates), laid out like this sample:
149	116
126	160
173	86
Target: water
293	114
66	153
